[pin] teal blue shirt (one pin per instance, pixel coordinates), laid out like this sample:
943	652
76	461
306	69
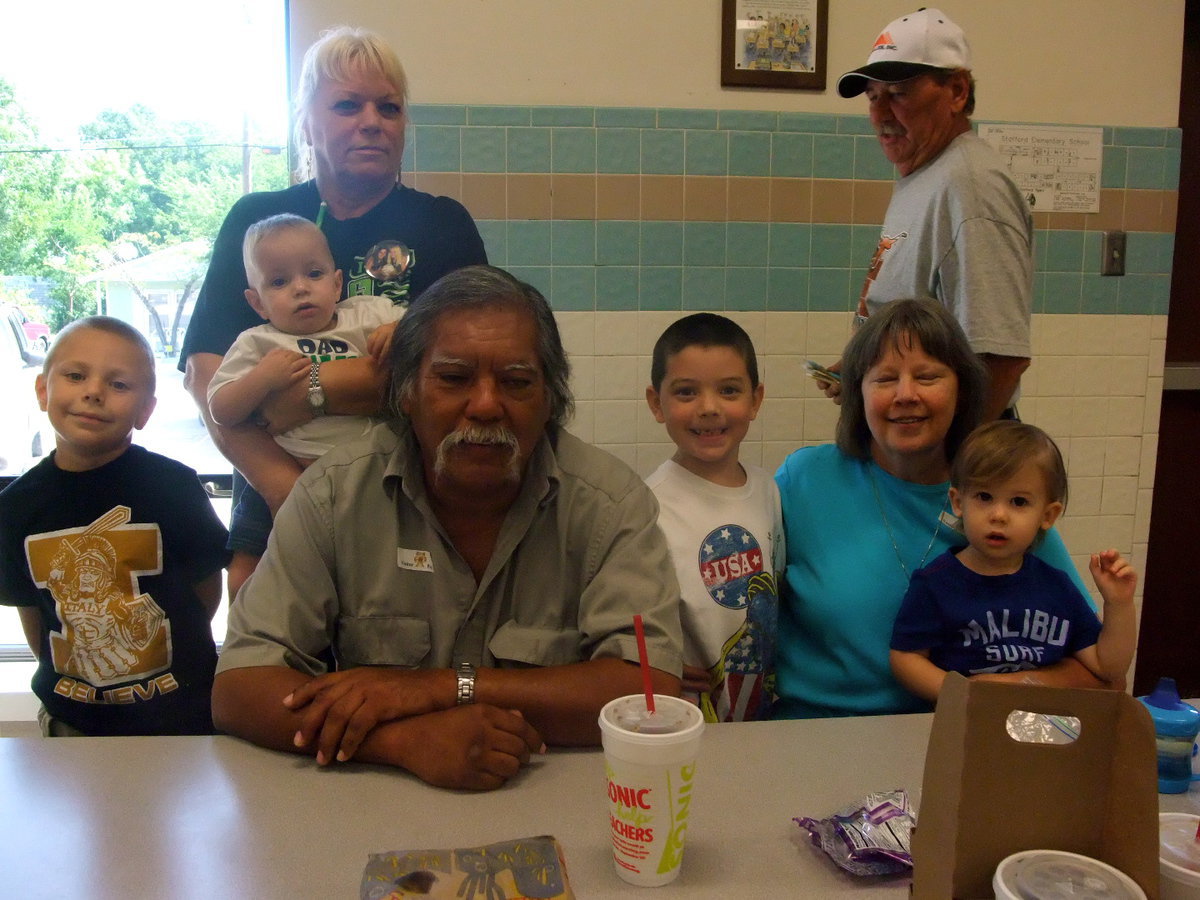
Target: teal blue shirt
843	582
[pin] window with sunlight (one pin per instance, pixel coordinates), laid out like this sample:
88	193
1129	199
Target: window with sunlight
120	153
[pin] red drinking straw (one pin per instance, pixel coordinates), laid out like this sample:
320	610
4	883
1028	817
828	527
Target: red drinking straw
641	642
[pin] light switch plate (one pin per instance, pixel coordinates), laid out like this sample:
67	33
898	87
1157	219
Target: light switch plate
1112	253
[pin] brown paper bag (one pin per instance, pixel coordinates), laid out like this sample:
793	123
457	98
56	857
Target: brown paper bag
986	795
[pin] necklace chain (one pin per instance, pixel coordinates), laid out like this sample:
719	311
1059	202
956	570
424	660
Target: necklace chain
891	535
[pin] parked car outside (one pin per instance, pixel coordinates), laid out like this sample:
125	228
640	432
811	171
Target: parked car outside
37	334
26	435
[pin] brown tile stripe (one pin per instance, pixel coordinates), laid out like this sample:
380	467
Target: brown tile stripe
692	198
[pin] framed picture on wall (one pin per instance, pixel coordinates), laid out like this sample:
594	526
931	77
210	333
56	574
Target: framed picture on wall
774	44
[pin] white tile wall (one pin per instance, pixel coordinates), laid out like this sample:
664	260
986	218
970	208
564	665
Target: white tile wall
1095	385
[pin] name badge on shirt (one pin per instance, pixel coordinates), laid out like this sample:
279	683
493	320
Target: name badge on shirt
414	560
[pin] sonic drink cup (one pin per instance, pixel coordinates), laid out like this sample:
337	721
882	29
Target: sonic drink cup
650	769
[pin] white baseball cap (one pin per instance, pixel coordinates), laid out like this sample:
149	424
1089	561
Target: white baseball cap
909	46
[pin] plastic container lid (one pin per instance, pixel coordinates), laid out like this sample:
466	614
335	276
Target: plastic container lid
1165	694
1172	717
1054	874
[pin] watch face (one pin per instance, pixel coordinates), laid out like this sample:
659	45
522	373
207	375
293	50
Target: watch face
316	398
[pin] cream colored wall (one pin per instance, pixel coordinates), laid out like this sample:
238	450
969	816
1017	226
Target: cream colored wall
1092	62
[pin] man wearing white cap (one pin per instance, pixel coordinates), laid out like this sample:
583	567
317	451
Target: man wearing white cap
957	229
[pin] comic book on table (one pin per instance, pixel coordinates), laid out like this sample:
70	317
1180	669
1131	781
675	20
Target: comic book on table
531	867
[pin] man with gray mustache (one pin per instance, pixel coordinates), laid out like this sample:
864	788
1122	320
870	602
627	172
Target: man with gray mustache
957	229
498	436
473	567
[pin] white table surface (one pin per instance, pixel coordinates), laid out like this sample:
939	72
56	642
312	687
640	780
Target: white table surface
216	817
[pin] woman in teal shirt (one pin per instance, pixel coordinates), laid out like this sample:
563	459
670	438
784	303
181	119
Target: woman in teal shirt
862	515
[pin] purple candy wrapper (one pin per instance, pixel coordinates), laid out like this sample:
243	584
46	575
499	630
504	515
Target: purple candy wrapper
868	838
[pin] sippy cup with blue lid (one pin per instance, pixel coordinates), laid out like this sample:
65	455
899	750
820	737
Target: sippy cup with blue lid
1176	725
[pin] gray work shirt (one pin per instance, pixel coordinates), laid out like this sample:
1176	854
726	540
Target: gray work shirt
357	561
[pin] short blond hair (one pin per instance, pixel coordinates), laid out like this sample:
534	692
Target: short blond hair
114	326
336	55
275	225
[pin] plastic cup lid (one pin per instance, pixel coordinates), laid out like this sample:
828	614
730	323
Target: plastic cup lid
1054	874
1177	841
676	720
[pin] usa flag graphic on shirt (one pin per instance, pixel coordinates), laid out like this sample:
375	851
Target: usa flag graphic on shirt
737	574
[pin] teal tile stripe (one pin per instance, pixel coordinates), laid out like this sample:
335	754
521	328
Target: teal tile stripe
785	266
673	141
728	265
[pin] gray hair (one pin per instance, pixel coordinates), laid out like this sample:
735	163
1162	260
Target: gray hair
900	325
338	54
477	287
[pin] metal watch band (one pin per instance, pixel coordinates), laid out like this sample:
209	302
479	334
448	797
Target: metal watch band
466	683
316	395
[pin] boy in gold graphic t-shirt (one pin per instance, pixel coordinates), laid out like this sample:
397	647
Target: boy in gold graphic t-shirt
112	554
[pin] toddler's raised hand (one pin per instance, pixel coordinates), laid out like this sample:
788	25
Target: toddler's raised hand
1114	576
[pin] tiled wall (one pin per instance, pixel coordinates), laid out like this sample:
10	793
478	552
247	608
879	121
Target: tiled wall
627	218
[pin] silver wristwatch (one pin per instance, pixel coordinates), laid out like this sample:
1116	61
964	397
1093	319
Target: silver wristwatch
466	683
316	394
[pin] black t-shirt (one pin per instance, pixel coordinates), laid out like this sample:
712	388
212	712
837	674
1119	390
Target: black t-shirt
108	557
438	231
